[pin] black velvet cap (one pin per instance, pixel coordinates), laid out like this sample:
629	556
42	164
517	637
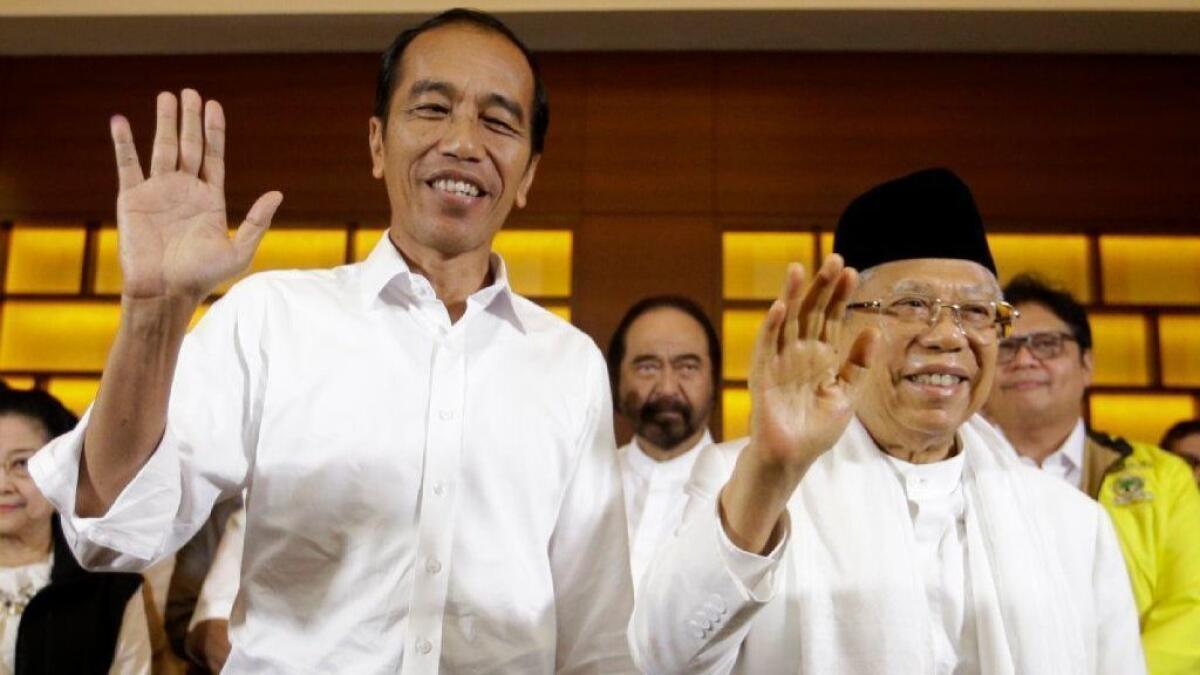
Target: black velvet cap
928	214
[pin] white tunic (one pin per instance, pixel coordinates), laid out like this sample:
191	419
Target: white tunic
654	499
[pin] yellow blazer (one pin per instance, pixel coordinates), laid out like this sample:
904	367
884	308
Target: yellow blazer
1155	507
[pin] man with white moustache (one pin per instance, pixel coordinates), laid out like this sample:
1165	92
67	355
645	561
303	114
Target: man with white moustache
428	458
664	364
873	523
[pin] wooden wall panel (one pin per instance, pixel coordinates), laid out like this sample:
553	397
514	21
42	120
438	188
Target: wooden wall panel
649	133
1040	138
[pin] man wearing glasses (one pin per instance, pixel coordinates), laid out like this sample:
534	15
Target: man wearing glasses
1044	370
873	523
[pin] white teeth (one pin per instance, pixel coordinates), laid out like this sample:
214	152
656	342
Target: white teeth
458	187
936	379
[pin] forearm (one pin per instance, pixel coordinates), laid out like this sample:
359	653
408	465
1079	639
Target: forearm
755	499
129	415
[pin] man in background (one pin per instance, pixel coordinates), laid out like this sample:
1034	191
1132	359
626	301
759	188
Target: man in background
664	363
1183	439
1045	368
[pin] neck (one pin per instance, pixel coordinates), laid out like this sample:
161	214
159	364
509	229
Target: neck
25	548
454	278
926	452
662	455
1039	441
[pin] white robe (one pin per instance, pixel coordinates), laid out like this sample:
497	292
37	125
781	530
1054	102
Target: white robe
843	592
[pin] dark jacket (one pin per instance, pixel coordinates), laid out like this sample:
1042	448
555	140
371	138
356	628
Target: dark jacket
71	625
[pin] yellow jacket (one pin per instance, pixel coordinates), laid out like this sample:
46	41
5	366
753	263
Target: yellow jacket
1155	506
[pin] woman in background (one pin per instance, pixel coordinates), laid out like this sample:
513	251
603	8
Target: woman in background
55	617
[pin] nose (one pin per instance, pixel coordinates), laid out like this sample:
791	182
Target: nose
945	333
461	140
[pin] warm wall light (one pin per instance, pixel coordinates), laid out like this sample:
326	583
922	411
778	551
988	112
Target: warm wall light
1062	260
56	336
19	381
538	261
77	393
754	263
1150	270
1120	348
561	311
735	413
1140	417
45	259
1179	340
739	327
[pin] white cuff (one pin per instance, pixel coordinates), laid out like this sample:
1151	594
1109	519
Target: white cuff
137	523
753	572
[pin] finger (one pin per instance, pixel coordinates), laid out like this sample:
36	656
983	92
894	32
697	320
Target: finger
254	227
166	141
835	313
766	345
213	169
793	286
129	170
812	312
860	358
191	141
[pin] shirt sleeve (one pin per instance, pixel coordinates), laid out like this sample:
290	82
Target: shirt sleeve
1171	625
203	456
221	585
589	550
134	652
697	601
1118	647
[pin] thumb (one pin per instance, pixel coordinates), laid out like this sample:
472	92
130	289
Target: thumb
860	359
254	227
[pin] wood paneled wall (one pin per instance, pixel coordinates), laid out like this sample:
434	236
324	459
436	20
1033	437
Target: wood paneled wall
652	155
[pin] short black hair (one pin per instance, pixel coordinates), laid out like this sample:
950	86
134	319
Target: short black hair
1179	431
616	346
1029	288
40	407
394	54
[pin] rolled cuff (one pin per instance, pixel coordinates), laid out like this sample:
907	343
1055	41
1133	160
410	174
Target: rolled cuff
754	573
131	535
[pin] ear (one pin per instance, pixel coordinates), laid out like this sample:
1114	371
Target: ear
1088	363
527	181
376	130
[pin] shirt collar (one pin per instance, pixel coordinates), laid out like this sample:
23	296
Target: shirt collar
1072	449
386	269
680	467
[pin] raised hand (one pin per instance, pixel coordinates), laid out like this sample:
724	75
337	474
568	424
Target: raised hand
802	396
801	391
172	228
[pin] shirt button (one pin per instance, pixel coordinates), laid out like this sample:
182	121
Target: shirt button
433	566
446	414
439	489
423	646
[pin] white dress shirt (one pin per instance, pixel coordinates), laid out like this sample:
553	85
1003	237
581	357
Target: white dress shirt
654	498
220	588
421	495
1067	461
937	507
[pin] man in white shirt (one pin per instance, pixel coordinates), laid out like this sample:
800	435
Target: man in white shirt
428	458
872	523
664	363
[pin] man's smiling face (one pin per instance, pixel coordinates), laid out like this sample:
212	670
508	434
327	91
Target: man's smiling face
455	151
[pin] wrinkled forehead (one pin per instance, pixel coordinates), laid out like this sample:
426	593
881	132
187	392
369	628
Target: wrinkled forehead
946	278
665	330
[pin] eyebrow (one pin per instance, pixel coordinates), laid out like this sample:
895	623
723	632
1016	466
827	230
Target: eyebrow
450	91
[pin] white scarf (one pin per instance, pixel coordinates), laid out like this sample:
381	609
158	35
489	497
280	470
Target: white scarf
856	599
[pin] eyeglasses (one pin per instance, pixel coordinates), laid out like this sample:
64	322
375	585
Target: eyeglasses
984	320
17	466
1045	346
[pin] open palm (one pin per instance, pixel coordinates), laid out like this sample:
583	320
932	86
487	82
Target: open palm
172	228
802	392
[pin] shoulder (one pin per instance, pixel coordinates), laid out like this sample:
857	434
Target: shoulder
715	464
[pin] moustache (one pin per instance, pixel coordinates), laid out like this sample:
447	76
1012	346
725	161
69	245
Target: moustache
653	409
